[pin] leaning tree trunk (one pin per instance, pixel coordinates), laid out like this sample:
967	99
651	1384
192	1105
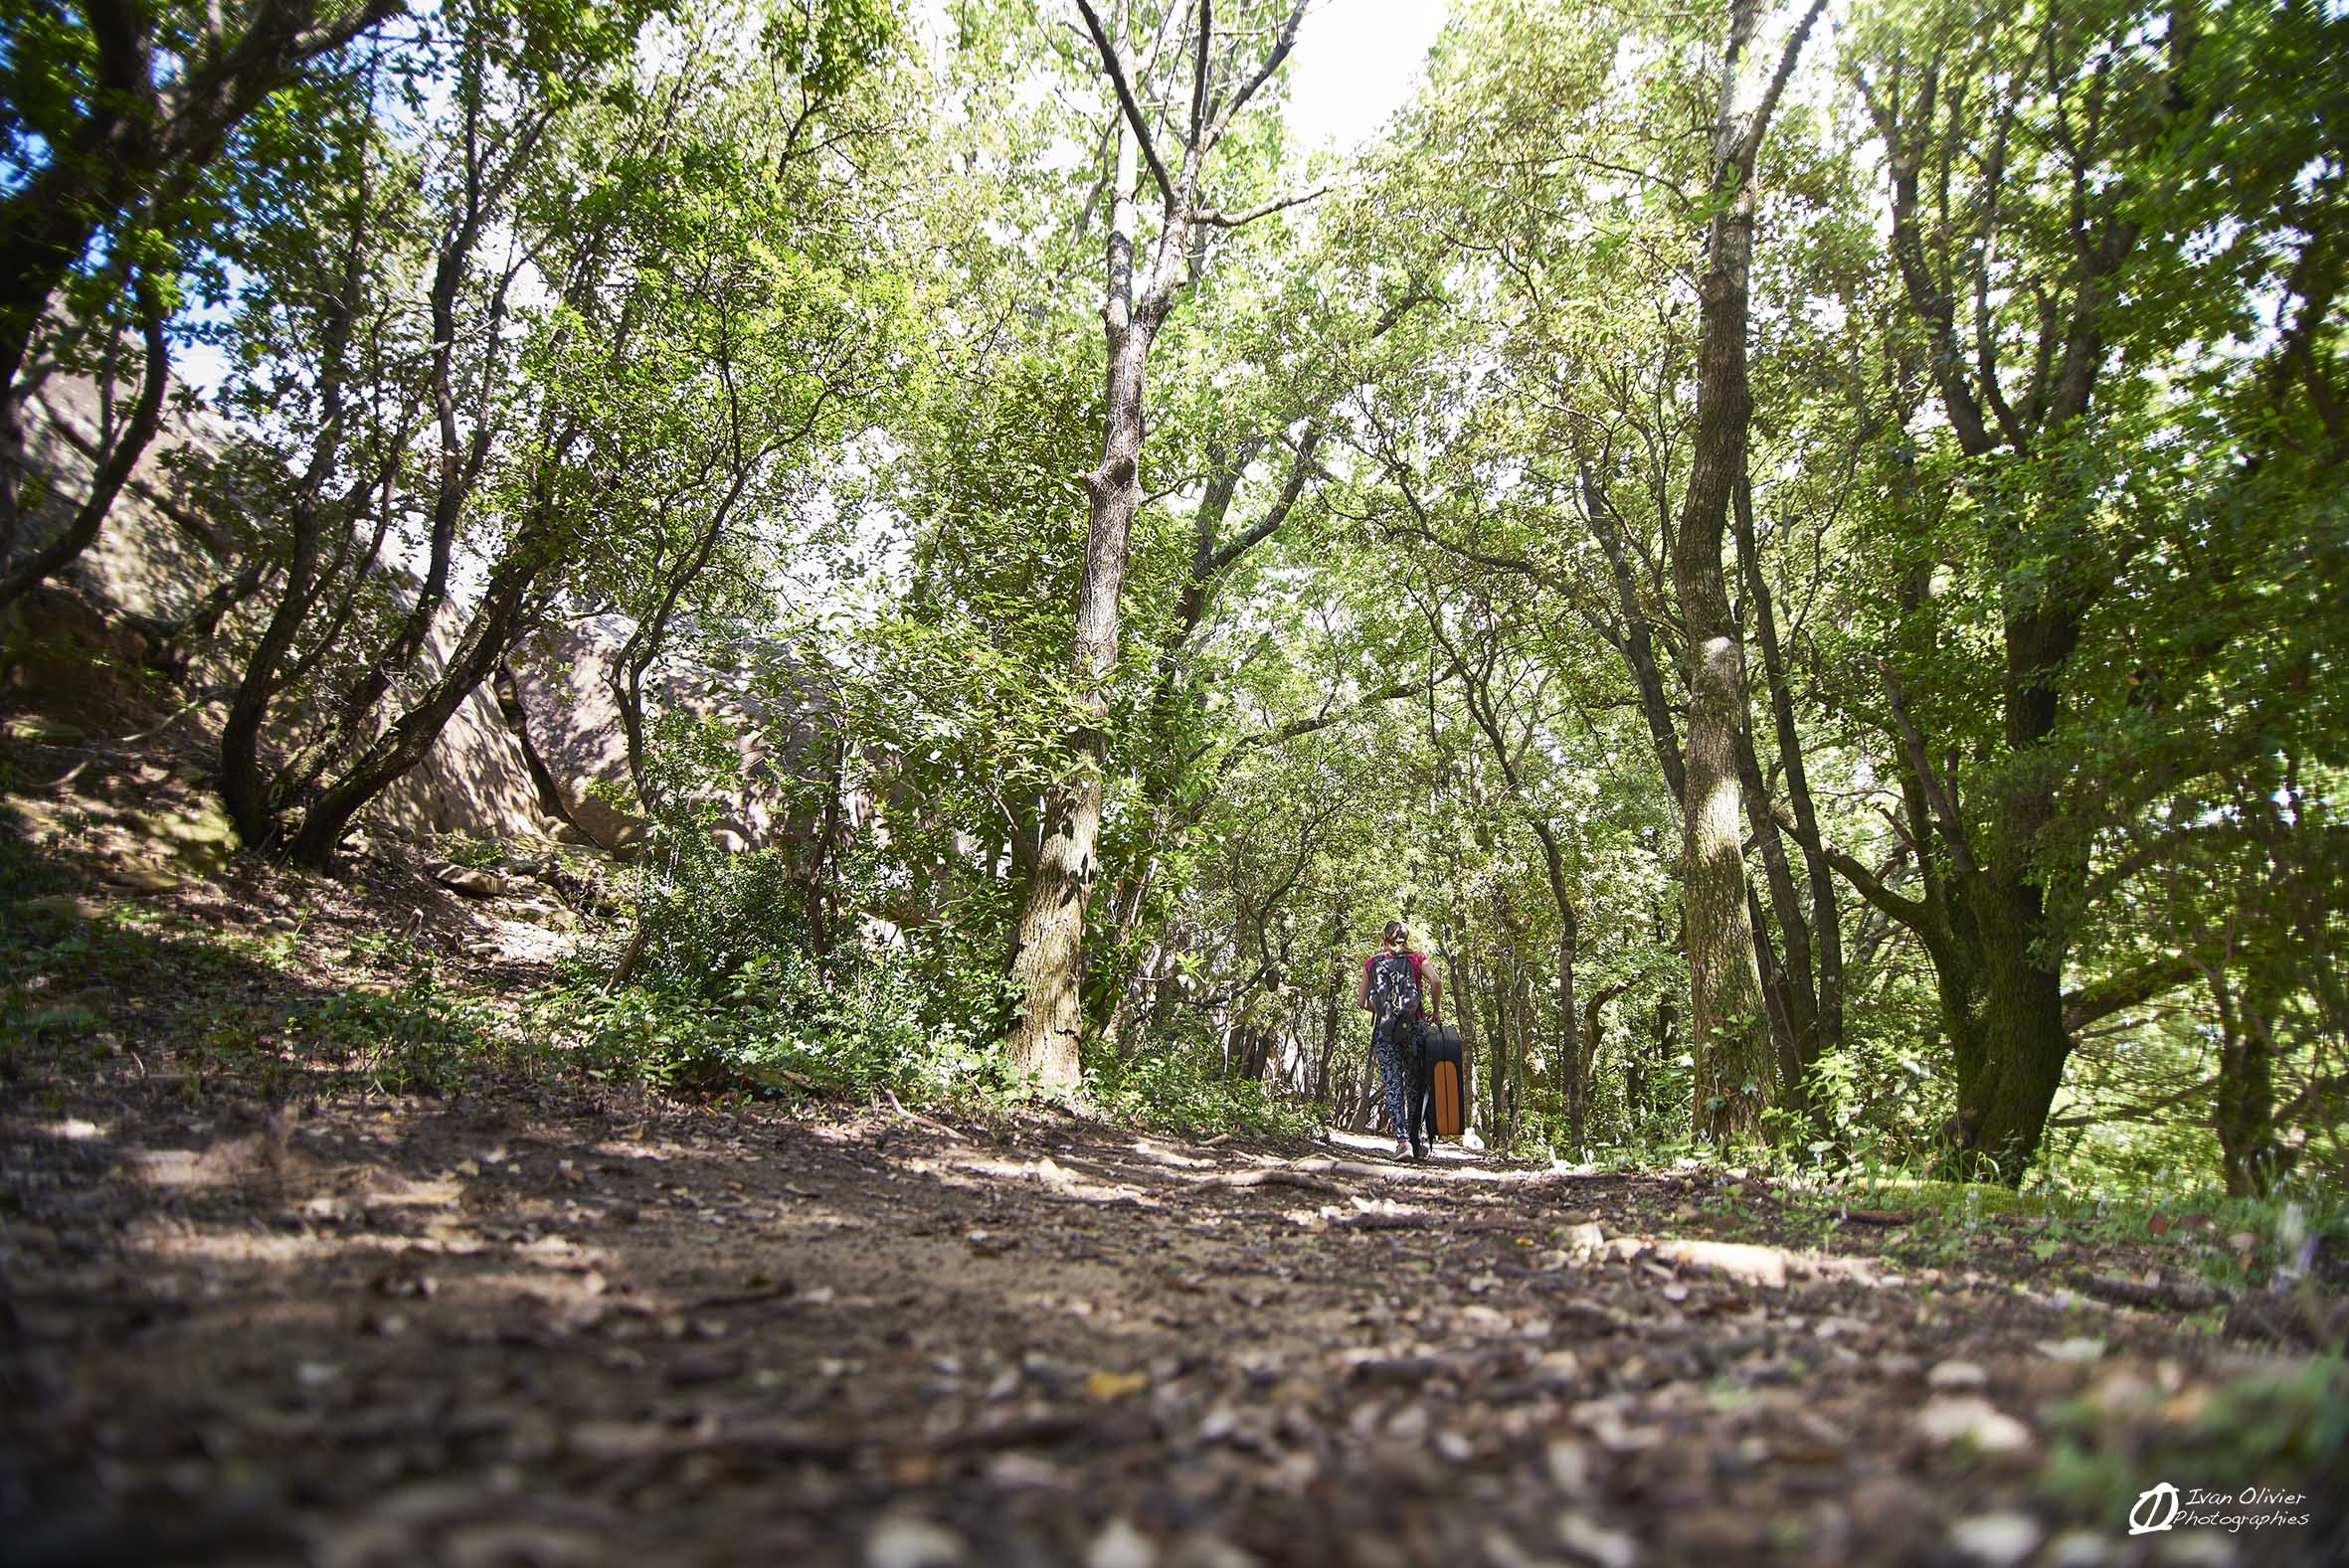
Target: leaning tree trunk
402	744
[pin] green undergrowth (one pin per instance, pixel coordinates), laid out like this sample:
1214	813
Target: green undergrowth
2241	1442
778	1024
1176	1090
2225	1241
217	1007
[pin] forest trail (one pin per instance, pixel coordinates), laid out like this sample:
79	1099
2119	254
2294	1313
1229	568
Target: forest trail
533	1329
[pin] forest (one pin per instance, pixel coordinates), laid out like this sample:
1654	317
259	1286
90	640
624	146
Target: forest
1792	544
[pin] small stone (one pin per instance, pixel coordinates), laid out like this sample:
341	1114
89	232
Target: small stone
1569	1467
2072	1350
144	879
1953	1375
1120	1546
1969	1418
1998	1540
1763	1266
902	1542
73	906
1585	1237
1599	1544
469	879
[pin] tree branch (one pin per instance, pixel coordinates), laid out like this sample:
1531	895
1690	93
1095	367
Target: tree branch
1296	728
1199	71
2128	989
1280	52
1126	99
1961	855
1217	217
1752	145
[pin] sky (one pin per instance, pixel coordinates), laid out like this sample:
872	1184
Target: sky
1355	62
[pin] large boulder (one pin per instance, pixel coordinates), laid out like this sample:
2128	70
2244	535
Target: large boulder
78	639
571	727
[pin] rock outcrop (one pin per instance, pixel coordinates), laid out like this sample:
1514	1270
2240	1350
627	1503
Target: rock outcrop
79	638
570	726
545	754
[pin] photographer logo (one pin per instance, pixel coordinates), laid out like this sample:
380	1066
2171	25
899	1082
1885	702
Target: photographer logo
2155	1511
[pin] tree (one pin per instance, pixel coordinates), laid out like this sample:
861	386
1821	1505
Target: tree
2051	187
112	122
574	184
1048	942
1726	1010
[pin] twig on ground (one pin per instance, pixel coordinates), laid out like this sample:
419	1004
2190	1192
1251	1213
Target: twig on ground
2167	1295
771	1292
936	1126
1880	1216
1234	1180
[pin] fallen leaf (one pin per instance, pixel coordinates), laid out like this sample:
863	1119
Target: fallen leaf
1115	1385
1969	1418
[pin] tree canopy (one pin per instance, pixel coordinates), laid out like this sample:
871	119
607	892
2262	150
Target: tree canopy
1804	552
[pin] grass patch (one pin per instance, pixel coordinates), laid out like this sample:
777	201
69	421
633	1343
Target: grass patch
2275	1429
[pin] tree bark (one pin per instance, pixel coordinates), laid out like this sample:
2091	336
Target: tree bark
1726	1003
1049	947
1823	975
114	471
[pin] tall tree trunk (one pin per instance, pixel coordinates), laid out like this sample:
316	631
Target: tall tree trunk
2245	1111
1822	976
1725	1004
1048	944
1569	1057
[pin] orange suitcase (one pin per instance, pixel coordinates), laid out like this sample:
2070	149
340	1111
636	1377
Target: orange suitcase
1447	1098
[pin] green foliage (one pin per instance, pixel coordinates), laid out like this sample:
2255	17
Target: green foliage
1188	1091
780	1024
777	336
413	1038
2292	1419
465	849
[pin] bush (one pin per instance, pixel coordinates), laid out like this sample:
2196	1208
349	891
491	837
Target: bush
1175	1090
778	1021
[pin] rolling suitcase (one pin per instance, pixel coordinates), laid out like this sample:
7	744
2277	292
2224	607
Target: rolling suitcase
1447	1089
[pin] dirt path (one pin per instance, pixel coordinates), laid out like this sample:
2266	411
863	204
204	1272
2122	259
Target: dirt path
494	1332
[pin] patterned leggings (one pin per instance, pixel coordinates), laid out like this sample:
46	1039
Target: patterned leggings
1392	1051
